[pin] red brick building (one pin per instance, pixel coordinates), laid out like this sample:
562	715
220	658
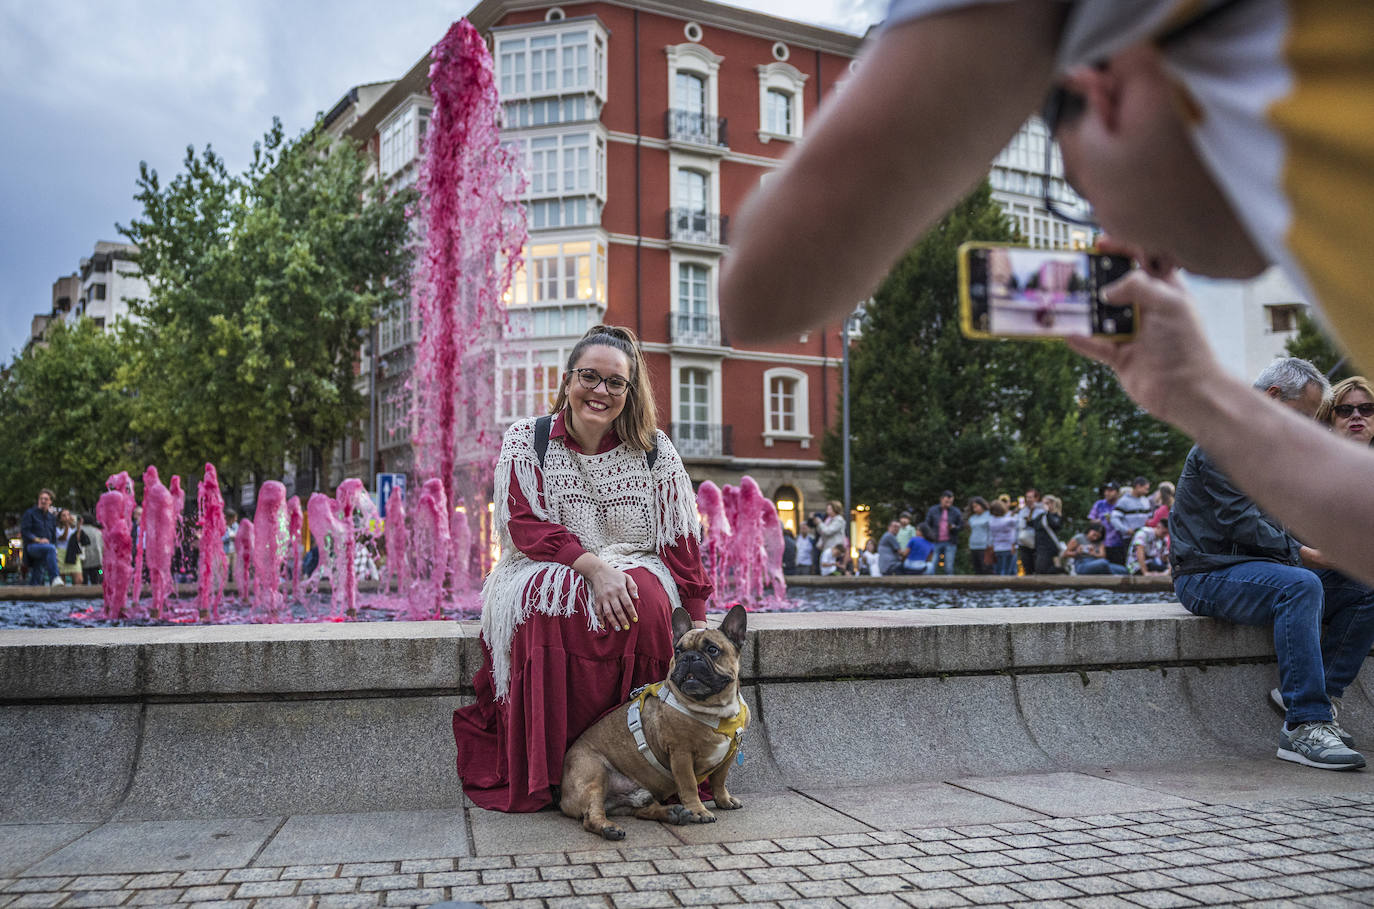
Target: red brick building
644	124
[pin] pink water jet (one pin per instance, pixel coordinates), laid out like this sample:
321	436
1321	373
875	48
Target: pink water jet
328	533
431	551
742	545
271	539
460	547
213	565
157	540
355	507
397	551
115	511
716	531
295	522
243	554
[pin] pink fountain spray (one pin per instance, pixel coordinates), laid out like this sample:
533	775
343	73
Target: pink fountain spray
397	550
431	546
329	533
473	230
355	507
213	565
271	536
115	512
295	521
243	554
460	546
715	534
158	532
747	544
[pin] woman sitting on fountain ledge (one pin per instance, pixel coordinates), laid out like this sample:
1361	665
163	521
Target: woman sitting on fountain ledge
599	542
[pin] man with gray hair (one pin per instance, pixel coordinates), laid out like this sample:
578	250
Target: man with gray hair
1232	561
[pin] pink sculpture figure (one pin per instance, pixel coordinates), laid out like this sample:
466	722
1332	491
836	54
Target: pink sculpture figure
431	542
213	565
115	513
271	534
715	535
158	533
397	555
474	230
243	552
294	522
328	534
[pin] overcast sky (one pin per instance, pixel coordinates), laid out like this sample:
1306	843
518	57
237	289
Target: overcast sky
90	89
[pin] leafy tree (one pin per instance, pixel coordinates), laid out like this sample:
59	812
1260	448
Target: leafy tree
931	409
66	423
1311	343
262	287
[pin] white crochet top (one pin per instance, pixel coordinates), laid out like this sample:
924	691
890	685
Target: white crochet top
610	501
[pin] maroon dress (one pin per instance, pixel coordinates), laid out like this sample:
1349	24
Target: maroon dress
564	677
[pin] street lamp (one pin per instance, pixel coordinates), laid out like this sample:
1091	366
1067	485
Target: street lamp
851	324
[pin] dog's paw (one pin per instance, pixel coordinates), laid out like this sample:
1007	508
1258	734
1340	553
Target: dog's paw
612	832
729	803
678	814
700	817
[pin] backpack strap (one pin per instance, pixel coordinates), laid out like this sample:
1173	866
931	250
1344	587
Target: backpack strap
652	455
541	437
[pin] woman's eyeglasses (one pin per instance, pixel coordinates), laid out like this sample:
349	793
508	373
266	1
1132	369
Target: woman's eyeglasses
590	379
1346	411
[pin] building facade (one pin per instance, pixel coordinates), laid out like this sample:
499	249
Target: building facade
100	291
643	125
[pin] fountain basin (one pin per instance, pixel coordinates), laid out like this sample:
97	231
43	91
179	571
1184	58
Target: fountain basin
151	723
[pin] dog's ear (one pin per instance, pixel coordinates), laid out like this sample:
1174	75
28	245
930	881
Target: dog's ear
733	626
682	623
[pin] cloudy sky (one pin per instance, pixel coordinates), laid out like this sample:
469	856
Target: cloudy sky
90	89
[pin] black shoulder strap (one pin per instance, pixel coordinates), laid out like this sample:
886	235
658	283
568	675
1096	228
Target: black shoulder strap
541	437
652	454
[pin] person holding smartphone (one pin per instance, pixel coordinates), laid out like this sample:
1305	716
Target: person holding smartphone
1221	136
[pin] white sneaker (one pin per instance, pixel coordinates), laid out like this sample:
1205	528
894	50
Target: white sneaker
57	582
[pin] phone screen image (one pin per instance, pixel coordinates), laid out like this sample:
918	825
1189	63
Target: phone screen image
1015	292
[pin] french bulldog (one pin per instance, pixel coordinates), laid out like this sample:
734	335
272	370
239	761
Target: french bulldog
691	727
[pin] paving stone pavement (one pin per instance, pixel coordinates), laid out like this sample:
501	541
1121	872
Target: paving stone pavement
1311	850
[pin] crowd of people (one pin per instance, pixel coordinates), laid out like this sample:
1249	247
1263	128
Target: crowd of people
1125	532
58	545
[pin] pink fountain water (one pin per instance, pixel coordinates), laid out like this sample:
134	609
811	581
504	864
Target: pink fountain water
397	566
243	556
271	542
115	512
295	525
742	545
213	564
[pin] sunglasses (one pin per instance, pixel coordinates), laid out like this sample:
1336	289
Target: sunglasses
1061	106
590	379
1346	411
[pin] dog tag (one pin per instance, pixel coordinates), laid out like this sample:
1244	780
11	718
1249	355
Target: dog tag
739	756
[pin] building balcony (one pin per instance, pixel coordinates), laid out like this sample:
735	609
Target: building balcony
686	329
703	440
696	228
702	132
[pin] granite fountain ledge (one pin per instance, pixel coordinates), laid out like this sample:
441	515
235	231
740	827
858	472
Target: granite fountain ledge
169	722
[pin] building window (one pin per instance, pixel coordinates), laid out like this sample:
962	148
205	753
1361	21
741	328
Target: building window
97	291
395	419
402	136
692	191
551	62
560	273
1284	318
529	382
692	103
778	112
781	89
785	406
694	401
394	329
692	293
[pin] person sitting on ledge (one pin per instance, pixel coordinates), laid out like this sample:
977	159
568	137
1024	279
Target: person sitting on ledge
1232	561
38	530
1089	552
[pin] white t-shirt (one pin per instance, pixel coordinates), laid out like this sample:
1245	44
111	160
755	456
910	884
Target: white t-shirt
1283	95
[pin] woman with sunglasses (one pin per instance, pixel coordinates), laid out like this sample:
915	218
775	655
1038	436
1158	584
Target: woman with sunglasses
1350	410
599	543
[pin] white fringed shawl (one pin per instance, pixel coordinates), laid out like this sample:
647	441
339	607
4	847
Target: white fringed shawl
611	502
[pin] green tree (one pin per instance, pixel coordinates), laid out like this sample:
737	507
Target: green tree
263	286
66	423
1311	343
931	409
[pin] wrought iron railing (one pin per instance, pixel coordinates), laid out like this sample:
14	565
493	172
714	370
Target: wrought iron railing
703	440
691	225
694	329
695	127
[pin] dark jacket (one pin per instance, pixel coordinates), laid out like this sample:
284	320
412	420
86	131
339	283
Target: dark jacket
38	524
931	525
1213	525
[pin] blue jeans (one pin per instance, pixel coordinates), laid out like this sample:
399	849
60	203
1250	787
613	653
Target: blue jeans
1005	562
1313	668
946	549
44	554
1098	566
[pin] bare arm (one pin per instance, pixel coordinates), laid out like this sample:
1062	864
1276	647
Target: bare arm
1320	486
931	104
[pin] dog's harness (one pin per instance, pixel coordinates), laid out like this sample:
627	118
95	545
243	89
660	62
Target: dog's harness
731	726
